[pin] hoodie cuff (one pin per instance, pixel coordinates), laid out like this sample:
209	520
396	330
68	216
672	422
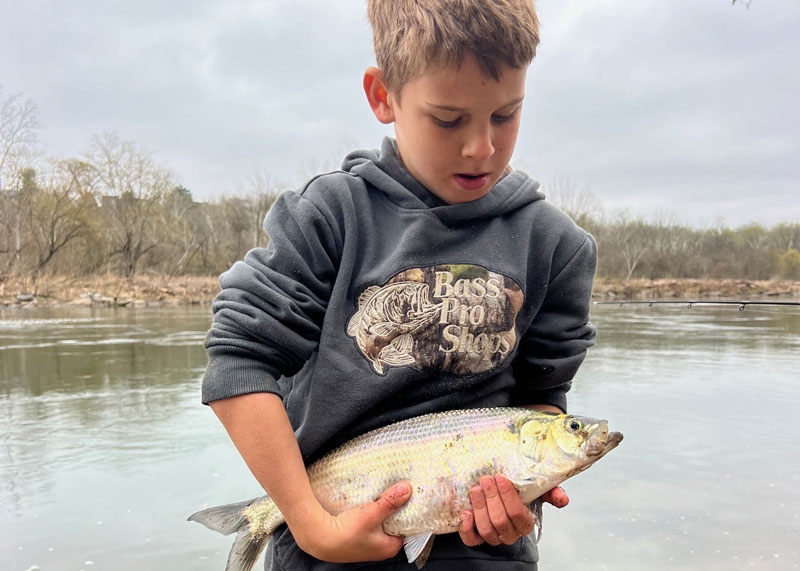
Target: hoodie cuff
229	376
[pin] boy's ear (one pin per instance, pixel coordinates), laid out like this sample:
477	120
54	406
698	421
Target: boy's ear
378	95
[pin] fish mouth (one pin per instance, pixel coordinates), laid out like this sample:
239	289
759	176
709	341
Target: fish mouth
614	438
602	447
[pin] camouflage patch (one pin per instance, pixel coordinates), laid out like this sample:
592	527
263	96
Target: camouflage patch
454	318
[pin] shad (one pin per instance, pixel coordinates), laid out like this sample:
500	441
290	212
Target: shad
442	455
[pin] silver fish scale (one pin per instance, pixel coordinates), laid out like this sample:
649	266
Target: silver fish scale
441	454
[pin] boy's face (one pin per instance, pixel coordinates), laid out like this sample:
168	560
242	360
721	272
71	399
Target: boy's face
456	128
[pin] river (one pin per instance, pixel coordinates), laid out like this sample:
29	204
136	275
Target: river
105	449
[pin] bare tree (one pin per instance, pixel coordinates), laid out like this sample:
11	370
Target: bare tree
262	191
186	231
786	236
628	238
18	129
14	216
133	187
60	210
669	243
19	124
579	203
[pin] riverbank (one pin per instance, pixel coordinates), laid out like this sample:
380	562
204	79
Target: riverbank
109	291
150	291
705	289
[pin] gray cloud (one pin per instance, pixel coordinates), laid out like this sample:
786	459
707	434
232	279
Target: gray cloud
685	107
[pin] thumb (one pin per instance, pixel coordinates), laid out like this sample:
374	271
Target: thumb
391	500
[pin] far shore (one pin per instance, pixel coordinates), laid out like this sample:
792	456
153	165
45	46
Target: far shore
153	291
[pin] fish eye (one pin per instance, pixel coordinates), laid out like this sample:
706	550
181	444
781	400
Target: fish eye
574	425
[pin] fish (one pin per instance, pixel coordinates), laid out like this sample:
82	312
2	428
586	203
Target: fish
442	455
386	319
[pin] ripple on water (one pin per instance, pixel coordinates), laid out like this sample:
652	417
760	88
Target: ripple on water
13	324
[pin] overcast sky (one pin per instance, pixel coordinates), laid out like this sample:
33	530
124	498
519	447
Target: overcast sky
683	108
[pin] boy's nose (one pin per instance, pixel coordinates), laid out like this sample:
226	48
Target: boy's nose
478	145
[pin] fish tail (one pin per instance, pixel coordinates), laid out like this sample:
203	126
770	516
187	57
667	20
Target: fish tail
245	550
232	518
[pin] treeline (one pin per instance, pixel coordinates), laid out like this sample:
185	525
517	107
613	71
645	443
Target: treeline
635	248
662	247
115	210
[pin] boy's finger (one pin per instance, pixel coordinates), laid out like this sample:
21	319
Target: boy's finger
557	497
498	515
391	500
518	513
467	530
483	522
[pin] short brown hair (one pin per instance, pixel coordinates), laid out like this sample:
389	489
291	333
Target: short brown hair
411	36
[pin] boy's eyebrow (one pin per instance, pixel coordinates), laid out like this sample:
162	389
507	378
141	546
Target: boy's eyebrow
459	109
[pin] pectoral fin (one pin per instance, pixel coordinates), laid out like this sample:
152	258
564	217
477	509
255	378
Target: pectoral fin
536	508
519	483
418	548
397	352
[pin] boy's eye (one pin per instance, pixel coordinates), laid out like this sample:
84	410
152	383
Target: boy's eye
504	118
447	124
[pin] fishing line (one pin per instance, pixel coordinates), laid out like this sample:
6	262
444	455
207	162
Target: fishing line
689	303
769	307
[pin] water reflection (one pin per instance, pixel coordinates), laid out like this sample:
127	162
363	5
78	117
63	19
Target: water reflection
709	472
105	448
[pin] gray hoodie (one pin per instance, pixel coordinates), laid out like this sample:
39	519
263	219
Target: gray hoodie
375	301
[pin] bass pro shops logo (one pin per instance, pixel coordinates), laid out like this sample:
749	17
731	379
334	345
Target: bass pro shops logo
454	318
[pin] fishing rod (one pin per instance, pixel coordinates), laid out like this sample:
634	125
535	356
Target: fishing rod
690	302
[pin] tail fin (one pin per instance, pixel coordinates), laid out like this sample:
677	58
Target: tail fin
231	518
245	551
223	519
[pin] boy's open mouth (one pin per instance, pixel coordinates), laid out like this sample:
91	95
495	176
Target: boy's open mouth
470	181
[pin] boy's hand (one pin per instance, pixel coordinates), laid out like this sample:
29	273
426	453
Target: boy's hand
357	534
498	514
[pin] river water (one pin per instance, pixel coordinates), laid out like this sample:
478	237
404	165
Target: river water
105	449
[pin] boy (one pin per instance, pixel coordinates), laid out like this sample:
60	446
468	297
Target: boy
424	277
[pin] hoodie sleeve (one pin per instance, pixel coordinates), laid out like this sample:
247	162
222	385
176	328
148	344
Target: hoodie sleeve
268	316
556	342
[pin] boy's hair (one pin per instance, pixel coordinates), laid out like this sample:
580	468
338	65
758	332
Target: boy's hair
412	36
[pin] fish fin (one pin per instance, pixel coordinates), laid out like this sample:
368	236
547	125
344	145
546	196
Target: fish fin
536	508
519	483
223	519
397	353
352	325
245	550
392	356
383	328
231	518
367	294
404	343
418	548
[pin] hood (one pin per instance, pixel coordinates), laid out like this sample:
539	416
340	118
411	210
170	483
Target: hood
385	171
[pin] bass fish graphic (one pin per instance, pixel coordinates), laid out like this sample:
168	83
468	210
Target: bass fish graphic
386	319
